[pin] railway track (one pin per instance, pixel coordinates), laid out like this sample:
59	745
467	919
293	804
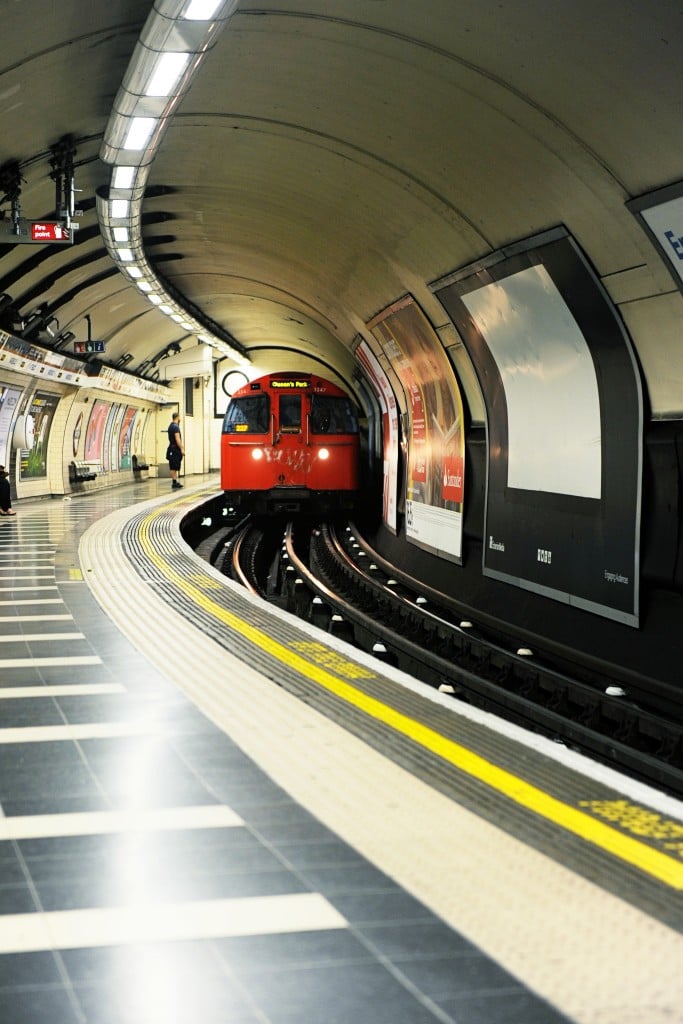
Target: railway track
332	578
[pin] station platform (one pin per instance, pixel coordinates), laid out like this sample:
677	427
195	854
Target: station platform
212	812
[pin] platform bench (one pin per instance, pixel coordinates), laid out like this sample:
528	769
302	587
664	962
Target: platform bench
140	467
81	471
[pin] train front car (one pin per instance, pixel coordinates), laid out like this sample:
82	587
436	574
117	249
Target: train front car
290	444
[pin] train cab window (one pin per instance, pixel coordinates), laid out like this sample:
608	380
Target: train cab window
250	415
290	414
332	415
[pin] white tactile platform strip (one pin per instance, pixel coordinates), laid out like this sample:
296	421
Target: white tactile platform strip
595	957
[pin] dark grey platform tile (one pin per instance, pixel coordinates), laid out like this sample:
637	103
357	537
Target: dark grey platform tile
327	853
25	675
255	953
115	965
14	649
283	820
209	845
468	974
111	890
361	877
139	1002
60	803
125	706
87	858
11	871
152	791
421	940
367	908
8	856
246	798
338	994
25	970
56	675
59	649
175	982
37	1005
503	1008
68	780
23	713
43	770
16	899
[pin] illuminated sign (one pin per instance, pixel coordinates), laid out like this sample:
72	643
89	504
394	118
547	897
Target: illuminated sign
82	348
290	385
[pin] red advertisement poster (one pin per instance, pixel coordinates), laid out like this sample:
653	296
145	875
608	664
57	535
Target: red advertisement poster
94	435
435	436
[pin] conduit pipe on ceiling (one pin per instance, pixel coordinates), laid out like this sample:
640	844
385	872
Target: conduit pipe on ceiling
172	45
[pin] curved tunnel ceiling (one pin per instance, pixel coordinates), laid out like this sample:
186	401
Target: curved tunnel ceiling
332	156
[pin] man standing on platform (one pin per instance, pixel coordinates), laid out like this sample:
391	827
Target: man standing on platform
175	450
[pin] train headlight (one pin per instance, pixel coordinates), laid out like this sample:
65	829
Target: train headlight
256	453
323	453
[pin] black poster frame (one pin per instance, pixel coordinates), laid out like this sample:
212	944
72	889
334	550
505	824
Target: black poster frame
581	550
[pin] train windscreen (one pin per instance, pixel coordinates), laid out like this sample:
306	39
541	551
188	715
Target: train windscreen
249	415
332	415
290	414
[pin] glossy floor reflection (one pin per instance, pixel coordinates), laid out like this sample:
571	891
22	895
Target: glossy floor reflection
151	873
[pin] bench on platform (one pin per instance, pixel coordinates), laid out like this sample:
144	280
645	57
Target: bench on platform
140	467
80	471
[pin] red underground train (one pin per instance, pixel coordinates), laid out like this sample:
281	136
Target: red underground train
290	444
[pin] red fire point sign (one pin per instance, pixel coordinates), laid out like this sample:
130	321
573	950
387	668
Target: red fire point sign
42	231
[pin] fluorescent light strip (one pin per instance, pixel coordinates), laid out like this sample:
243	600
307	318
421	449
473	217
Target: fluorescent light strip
167	73
141	135
201	10
139	132
123	177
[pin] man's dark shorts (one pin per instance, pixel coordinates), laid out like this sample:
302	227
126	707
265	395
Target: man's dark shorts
175	458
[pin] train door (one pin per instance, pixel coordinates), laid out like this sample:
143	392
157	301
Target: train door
292	454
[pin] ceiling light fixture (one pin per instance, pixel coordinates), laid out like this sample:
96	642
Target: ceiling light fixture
172	45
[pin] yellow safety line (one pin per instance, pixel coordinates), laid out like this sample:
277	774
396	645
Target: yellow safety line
626	848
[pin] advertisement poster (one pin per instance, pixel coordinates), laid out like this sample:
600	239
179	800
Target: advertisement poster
110	451
33	461
564	425
9	399
436	441
94	434
387	403
125	438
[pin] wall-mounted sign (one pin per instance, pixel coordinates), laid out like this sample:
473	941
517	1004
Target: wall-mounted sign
82	348
35	232
49	231
661	215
